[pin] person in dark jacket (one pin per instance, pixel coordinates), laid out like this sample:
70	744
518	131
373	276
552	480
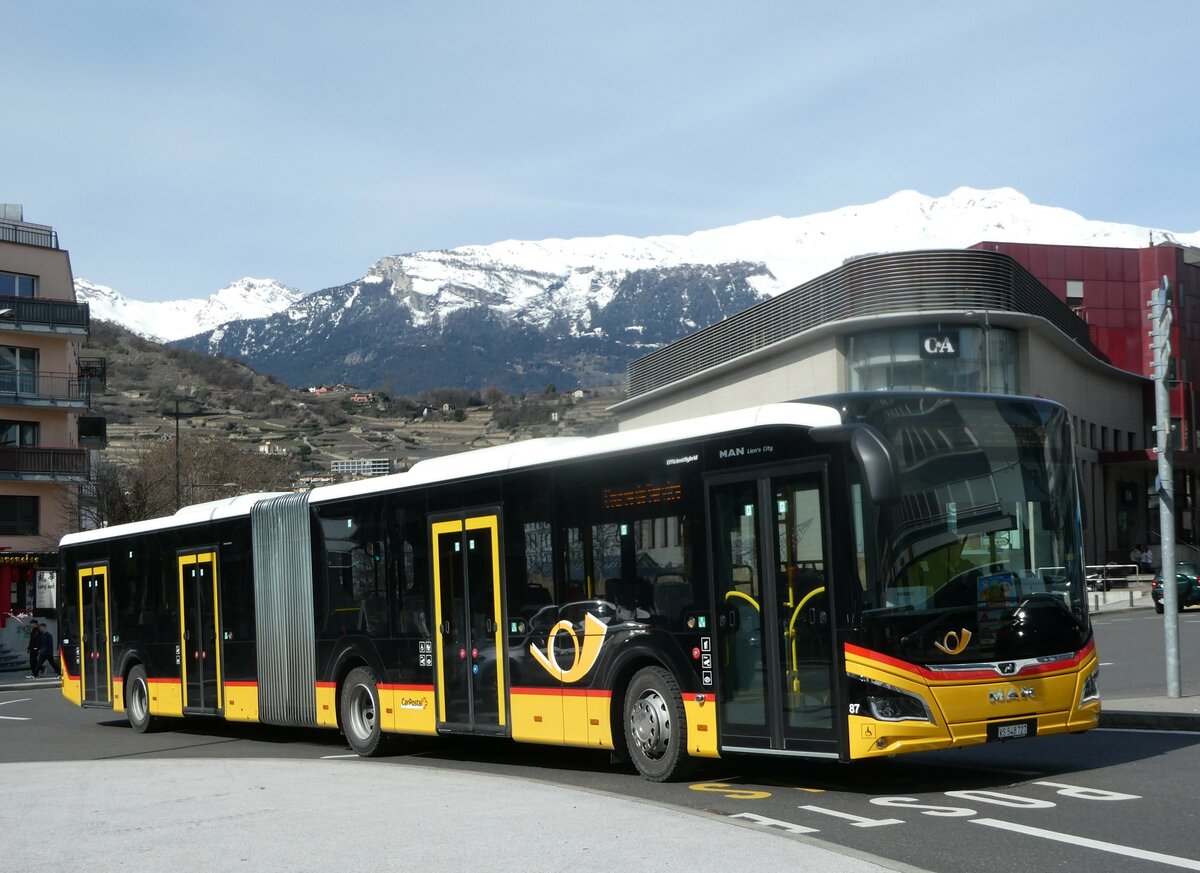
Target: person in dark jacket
34	649
46	652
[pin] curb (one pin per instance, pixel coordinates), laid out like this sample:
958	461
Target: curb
29	684
1154	721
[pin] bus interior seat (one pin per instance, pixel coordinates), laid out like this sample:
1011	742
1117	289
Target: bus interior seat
412	618
672	595
627	594
373	616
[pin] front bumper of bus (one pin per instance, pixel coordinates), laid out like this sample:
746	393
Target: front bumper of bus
908	708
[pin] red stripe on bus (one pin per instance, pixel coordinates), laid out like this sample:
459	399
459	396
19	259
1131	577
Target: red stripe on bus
406	688
961	675
564	692
239	683
155	681
515	690
66	671
327	685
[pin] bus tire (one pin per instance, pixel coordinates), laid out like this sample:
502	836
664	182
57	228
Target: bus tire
360	712
137	701
656	726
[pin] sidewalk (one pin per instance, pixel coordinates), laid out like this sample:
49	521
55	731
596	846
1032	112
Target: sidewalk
20	680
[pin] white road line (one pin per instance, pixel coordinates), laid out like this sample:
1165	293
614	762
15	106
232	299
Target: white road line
18	700
13	718
332	757
1113	848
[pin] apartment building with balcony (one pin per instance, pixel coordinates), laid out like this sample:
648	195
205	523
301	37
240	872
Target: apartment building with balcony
45	394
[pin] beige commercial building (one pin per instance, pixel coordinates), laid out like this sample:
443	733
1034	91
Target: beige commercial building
977	320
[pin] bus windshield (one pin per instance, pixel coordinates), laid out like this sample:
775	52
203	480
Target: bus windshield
980	559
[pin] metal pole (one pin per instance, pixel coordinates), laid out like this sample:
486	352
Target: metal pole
1160	315
177	504
987	351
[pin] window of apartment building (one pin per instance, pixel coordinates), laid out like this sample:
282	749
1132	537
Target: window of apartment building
1091	435
18	285
18	516
1131	439
1103	438
18	433
18	369
1074	292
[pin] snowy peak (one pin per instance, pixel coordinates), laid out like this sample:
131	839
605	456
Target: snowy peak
568	286
176	319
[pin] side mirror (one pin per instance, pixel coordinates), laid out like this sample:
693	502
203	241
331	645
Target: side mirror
874	454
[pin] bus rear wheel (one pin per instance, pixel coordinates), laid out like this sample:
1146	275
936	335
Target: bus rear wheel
656	726
137	701
360	713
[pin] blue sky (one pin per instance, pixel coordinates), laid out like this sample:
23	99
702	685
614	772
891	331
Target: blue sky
178	146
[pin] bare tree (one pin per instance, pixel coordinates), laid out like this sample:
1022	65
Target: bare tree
209	468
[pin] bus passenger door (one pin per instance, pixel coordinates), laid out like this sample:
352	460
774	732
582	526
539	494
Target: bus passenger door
471	657
775	657
94	650
199	632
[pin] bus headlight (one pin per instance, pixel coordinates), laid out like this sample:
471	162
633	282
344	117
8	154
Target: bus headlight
1091	687
886	702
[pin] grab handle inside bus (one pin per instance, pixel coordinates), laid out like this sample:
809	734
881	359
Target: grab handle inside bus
873	453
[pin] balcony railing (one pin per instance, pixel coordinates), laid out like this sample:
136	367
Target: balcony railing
43	388
38	463
28	234
40	314
94	371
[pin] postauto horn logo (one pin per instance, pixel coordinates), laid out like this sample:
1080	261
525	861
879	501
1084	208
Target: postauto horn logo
593	637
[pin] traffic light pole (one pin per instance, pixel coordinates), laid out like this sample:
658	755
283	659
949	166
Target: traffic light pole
1160	333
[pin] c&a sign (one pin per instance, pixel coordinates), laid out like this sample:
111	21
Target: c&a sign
939	344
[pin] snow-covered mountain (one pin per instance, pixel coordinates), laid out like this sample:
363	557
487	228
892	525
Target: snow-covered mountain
525	313
176	319
539	281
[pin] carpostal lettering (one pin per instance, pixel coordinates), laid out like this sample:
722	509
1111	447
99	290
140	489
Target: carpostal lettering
412	703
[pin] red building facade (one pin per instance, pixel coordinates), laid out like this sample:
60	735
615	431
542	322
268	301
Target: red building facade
1110	289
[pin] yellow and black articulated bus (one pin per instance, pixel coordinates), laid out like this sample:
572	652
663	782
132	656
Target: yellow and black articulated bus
848	577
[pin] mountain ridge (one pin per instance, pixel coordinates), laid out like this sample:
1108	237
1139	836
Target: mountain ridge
522	314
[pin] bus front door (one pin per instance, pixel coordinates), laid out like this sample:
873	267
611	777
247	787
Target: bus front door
471	659
94	652
199	632
775	629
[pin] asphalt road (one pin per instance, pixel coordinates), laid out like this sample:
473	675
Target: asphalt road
1106	802
1133	653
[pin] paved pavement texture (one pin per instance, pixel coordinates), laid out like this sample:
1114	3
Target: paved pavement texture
283	815
288	816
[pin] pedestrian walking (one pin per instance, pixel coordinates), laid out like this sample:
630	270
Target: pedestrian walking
46	651
34	648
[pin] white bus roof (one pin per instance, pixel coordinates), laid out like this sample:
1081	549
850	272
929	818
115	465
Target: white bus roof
511	456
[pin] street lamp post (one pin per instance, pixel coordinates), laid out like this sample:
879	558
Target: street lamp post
195	414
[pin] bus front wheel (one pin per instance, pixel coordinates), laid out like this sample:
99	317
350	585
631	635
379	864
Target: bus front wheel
137	701
360	713
656	726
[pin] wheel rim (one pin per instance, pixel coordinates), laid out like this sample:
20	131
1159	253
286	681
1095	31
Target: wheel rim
362	712
650	724
138	707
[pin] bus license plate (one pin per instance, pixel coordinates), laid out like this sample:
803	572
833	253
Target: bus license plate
1013	730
